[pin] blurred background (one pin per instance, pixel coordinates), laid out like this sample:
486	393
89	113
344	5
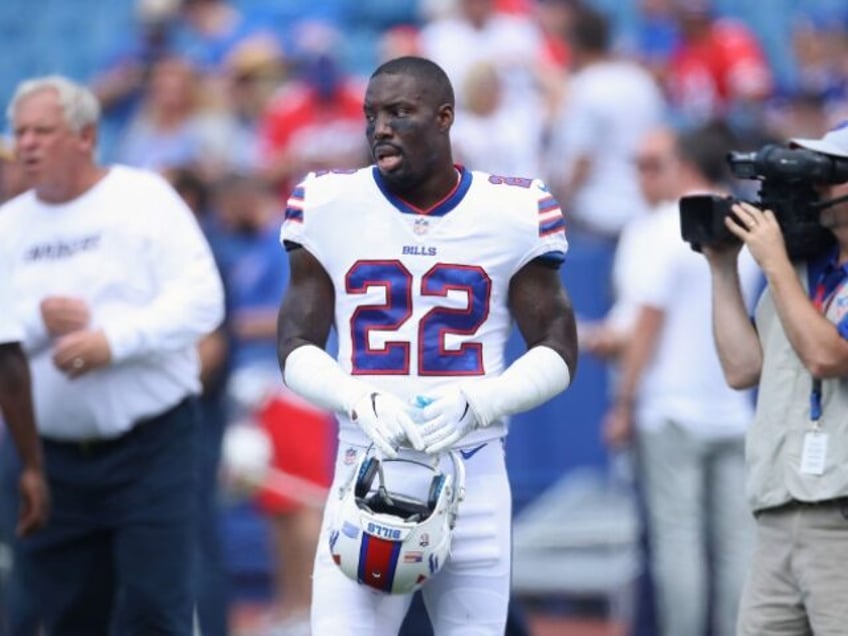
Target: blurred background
236	100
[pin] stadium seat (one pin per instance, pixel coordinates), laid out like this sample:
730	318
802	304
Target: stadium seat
579	540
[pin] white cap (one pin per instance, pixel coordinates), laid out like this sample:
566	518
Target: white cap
156	11
834	142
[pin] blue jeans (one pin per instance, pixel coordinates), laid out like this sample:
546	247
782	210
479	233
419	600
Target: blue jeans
212	585
117	555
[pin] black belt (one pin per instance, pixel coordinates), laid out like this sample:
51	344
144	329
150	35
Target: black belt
103	444
824	503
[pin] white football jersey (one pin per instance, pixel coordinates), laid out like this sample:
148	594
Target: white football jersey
421	296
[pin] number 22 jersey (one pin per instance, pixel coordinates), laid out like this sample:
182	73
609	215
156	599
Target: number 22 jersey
421	296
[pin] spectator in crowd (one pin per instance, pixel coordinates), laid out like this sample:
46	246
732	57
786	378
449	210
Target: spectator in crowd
657	169
209	30
486	135
252	73
256	276
554	18
398	41
818	42
689	425
315	121
121	79
174	126
477	32
611	104
113	355
12	182
718	68
795	353
799	114
213	598
656	35
513	44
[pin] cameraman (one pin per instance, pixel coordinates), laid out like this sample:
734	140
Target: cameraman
796	353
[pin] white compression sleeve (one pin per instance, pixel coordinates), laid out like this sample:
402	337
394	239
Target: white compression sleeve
313	374
531	380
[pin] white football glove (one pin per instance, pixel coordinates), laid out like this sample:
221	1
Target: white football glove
385	419
446	419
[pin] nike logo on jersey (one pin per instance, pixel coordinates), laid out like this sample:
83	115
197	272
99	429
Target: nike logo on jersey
468	453
418	250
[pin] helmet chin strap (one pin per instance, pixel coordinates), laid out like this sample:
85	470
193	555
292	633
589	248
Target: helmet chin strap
382	491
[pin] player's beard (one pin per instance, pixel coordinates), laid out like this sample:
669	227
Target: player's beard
400	181
409	177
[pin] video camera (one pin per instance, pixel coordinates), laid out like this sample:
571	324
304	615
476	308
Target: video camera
788	177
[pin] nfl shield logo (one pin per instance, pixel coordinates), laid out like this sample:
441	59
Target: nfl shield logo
350	456
421	225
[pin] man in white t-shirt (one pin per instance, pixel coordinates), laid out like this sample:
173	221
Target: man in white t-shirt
478	34
115	284
689	425
610	105
656	166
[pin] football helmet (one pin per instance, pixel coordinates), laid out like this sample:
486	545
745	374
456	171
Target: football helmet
390	540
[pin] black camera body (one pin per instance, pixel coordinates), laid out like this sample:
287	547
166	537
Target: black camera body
787	177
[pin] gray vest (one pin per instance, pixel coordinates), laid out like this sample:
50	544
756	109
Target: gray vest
775	441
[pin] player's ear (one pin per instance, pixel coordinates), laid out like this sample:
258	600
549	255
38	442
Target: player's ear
445	117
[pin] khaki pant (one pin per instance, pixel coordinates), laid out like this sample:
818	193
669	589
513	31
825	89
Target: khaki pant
700	528
798	582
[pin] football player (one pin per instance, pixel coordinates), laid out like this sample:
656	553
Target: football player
422	266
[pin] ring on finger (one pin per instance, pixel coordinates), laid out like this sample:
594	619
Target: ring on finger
78	363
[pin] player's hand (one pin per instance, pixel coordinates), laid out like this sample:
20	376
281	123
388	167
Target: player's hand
386	420
35	502
447	418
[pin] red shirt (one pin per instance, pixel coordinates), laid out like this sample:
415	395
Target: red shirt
315	133
727	65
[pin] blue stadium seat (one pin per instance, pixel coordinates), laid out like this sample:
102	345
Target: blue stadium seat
547	442
360	50
381	14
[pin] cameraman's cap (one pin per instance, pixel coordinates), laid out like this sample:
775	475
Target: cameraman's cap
834	142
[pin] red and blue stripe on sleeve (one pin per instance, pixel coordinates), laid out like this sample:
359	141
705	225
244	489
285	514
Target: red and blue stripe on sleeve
294	206
551	220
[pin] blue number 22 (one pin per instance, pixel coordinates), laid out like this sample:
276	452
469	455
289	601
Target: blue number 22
433	357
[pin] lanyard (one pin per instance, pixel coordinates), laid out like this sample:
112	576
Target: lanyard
828	281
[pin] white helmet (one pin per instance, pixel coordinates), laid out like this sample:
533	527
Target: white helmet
391	541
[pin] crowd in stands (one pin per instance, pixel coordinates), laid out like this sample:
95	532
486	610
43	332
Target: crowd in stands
224	87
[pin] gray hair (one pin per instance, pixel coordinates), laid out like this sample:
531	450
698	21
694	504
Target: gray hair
79	105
